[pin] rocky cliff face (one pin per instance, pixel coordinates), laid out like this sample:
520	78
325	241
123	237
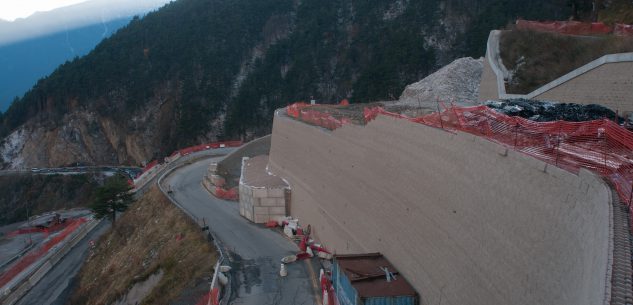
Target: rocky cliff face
87	137
200	70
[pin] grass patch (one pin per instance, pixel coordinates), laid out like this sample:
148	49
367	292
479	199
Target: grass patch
538	58
152	235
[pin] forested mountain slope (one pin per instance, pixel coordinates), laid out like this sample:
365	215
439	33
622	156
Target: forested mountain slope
201	70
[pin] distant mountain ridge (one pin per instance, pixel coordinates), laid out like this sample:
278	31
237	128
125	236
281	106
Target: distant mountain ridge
23	63
74	16
202	70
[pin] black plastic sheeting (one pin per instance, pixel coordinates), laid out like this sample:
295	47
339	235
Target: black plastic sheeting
543	111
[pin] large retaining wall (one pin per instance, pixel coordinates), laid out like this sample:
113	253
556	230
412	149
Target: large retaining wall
464	219
607	80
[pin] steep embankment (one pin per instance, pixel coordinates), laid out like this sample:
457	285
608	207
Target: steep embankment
467	221
42	193
199	70
154	255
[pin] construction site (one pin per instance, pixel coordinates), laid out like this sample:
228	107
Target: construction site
506	200
474	187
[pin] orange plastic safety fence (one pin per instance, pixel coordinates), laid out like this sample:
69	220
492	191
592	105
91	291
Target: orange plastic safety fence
623	30
46	230
601	146
205	299
565	27
230	194
33	256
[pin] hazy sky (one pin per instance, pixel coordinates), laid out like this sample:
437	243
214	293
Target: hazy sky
13	9
36	18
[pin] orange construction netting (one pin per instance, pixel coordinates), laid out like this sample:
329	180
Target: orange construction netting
602	146
34	255
575	27
227	194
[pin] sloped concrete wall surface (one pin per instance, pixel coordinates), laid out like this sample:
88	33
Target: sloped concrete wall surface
488	89
610	84
464	219
232	163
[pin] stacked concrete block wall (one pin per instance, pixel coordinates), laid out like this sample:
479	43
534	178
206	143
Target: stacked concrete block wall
467	221
260	205
607	81
260	201
212	179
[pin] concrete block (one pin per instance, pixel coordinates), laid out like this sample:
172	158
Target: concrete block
261	218
260	210
277	210
268	202
277	217
247	202
276	192
206	183
217	180
260	193
213	168
248	191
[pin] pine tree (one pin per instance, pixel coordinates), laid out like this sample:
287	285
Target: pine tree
114	196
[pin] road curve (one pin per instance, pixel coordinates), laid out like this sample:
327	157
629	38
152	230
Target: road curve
254	251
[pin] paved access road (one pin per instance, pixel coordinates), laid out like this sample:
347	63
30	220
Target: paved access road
255	251
56	285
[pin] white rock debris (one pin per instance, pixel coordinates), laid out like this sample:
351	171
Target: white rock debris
457	83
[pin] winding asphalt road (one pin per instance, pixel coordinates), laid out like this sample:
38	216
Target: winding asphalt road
254	251
54	288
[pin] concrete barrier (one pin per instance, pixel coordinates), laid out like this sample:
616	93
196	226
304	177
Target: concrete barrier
28	281
467	221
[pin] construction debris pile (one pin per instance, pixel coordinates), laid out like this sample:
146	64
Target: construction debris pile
457	82
544	111
307	246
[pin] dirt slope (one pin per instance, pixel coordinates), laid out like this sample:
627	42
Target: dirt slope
151	238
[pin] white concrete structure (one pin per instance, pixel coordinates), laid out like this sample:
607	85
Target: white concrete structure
262	195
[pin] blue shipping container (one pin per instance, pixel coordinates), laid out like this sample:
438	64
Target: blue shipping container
361	280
